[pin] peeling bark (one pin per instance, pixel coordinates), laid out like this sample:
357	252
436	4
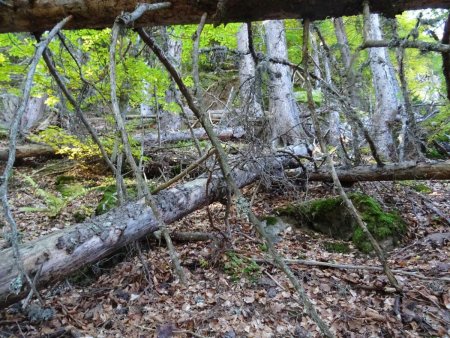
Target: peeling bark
64	252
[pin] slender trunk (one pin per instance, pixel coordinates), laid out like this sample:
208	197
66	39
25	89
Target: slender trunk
247	76
386	88
283	108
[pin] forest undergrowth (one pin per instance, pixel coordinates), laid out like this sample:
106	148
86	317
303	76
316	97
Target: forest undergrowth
233	290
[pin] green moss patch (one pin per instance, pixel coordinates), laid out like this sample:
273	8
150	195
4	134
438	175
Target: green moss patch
331	217
338	247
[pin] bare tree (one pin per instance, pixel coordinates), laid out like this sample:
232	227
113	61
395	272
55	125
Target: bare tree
283	109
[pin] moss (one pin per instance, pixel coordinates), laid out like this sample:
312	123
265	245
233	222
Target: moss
381	224
338	247
330	216
270	220
419	187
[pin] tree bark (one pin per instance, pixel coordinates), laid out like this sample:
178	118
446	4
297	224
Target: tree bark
387	90
247	76
224	134
29	150
389	172
63	252
283	110
41	15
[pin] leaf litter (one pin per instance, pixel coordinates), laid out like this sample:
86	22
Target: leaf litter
234	291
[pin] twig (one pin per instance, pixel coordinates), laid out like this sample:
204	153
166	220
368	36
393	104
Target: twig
353	267
48	61
14	129
242	205
348	203
196	44
142	186
191	167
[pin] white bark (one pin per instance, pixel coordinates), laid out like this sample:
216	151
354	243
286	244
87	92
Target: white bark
247	76
283	108
34	112
387	91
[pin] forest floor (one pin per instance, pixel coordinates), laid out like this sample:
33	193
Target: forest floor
233	290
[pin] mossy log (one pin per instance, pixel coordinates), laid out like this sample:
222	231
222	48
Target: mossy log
41	15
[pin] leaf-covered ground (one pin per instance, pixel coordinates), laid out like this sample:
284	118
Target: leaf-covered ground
233	290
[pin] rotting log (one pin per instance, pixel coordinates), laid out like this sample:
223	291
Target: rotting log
41	15
28	150
389	172
63	252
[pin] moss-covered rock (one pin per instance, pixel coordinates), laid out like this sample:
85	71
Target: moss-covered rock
331	217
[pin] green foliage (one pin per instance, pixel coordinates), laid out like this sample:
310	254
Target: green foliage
83	213
417	186
76	149
53	203
108	201
301	96
331	211
271	220
238	267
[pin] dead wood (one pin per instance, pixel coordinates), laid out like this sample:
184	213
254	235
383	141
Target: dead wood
64	252
356	267
28	150
224	134
41	15
390	172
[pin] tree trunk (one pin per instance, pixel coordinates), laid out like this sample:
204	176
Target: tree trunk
41	15
390	172
33	114
387	90
247	77
283	110
63	252
29	150
224	134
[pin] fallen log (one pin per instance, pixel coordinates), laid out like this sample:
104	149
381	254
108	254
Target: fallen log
40	15
65	251
29	150
37	150
224	134
389	172
57	255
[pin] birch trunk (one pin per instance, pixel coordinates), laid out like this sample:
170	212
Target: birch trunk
283	109
387	91
247	76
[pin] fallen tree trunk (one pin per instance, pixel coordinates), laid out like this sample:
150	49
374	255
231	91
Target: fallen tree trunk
40	15
224	134
63	252
390	172
29	150
36	150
